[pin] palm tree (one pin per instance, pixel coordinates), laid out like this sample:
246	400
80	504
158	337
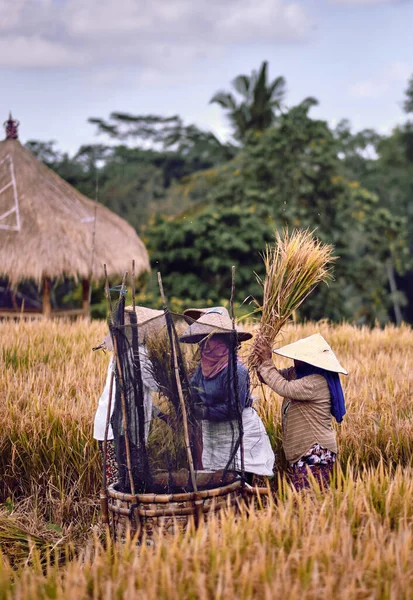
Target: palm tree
260	103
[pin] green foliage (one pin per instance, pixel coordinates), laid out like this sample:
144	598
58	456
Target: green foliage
408	102
290	170
260	105
166	134
195	253
290	174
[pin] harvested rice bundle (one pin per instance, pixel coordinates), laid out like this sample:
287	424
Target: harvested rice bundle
294	266
20	545
161	367
167	444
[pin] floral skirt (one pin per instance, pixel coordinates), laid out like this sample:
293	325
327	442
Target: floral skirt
319	462
111	464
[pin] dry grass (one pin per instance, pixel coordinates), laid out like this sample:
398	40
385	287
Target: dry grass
356	541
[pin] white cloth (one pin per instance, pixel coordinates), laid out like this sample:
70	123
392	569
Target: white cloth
149	386
219	438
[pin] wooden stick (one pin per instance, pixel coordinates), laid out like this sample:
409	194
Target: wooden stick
123	402
180	394
231	304
133	285
107	290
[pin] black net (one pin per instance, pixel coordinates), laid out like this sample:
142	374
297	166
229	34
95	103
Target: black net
165	424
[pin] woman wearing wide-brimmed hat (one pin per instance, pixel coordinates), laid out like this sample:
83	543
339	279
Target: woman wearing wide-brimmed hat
312	394
150	322
216	403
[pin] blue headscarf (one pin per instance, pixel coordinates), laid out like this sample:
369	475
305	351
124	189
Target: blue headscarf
338	407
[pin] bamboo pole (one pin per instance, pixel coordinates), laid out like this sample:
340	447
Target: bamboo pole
133	286
138	378
107	291
180	394
123	402
231	304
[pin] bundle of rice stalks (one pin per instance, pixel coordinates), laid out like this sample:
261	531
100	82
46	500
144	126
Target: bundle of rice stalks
162	371
166	443
22	545
294	266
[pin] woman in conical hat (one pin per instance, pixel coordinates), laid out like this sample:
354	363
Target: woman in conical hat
312	394
150	322
212	385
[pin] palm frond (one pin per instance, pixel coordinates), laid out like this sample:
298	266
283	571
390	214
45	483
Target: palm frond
224	99
241	84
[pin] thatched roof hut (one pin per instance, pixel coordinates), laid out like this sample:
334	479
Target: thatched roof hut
48	229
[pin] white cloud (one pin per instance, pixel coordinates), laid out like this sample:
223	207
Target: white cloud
10	13
368	89
149	34
364	2
378	86
31	52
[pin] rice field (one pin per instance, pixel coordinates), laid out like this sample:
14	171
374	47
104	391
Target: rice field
355	541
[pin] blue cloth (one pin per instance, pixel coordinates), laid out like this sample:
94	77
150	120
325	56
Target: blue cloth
338	407
217	394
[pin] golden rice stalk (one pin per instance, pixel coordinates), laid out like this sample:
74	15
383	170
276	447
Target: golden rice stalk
294	266
19	544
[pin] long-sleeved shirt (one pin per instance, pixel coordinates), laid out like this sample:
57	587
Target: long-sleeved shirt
218	396
149	385
306	416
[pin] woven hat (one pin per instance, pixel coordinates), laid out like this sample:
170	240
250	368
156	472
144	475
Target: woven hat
313	350
214	321
193	314
150	322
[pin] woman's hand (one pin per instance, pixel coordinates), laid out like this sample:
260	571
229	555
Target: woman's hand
262	349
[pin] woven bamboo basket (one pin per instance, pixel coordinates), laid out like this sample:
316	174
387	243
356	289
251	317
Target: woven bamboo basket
151	514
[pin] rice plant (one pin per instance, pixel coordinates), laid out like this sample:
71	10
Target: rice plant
355	541
294	266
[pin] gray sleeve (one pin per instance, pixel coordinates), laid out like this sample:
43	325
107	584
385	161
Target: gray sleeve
147	377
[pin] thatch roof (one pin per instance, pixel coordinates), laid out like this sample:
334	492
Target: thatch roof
46	226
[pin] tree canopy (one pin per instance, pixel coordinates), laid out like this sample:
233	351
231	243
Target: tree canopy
203	205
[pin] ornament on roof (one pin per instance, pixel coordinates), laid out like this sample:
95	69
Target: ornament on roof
11	126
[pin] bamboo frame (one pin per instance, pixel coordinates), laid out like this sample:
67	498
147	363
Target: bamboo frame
180	394
122	394
138	373
123	402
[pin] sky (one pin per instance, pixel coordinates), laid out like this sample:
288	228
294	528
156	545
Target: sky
62	61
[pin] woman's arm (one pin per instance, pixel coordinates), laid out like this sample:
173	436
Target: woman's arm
299	389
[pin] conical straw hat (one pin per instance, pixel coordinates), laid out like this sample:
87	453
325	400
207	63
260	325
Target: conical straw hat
193	314
313	350
214	321
150	322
